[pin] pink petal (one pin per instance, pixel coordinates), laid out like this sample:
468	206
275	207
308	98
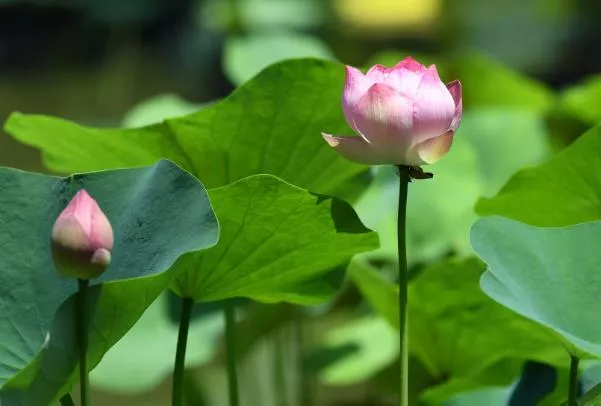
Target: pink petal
355	149
434	106
431	150
80	208
101	235
383	117
355	86
404	77
410	64
455	90
82	239
83	217
405	81
400	78
377	73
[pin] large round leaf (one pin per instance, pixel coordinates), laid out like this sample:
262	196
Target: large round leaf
550	275
276	243
271	124
158	213
562	191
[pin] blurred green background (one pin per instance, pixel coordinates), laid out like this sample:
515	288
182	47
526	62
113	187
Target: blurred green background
525	65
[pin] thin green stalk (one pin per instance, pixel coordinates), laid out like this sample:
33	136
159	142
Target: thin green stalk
573	392
403	282
177	394
194	392
235	18
67	400
279	366
305	386
230	343
82	340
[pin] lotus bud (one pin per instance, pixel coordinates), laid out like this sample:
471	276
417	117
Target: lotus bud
82	239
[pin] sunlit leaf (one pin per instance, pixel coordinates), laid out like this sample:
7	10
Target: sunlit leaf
374	346
584	100
271	124
276	240
562	191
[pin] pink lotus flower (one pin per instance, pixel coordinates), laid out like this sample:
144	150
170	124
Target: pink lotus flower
403	115
82	239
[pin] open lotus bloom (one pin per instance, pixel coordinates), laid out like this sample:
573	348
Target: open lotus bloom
402	115
82	239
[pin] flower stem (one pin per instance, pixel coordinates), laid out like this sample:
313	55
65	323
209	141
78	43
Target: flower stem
235	19
305	387
194	393
177	394
82	340
66	400
230	343
279	367
403	282
573	391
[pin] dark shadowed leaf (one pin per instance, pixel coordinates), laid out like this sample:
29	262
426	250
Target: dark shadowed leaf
158	213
